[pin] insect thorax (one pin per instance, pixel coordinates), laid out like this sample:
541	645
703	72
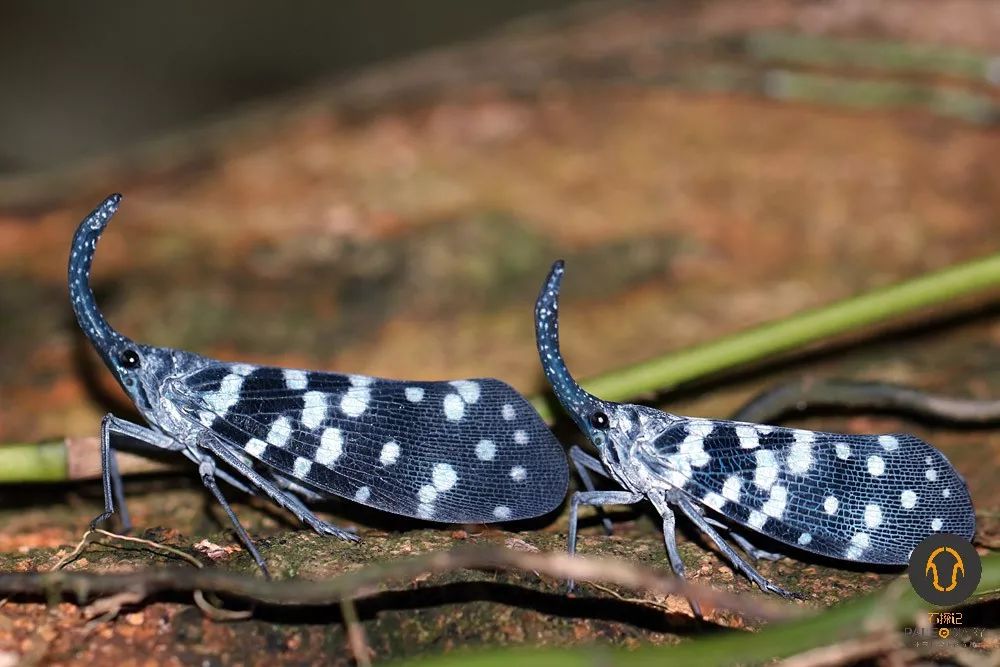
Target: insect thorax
640	451
162	367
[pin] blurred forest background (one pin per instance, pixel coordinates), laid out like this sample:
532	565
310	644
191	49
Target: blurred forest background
380	188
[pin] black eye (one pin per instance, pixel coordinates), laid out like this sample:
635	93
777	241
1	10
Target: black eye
599	420
129	359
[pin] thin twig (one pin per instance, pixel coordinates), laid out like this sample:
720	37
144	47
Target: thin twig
845	653
82	585
643	601
806	393
356	639
106	609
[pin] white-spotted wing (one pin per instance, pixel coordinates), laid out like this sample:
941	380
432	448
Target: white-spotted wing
461	451
868	498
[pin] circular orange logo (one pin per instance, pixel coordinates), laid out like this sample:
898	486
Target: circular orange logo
945	569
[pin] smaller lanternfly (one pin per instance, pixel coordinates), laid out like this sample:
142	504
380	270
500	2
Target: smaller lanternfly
862	498
465	451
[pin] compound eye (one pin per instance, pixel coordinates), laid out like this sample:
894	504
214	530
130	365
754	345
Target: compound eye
599	420
129	359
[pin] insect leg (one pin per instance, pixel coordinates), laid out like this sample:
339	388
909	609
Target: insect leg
207	471
110	476
670	540
737	561
118	488
744	543
596	498
584	462
273	491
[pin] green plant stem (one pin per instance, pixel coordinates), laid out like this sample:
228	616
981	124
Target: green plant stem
34	462
47	462
753	345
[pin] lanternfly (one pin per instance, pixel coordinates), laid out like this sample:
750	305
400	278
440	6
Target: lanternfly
863	498
461	451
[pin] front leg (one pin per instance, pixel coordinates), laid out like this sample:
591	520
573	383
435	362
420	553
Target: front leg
584	463
111	478
596	498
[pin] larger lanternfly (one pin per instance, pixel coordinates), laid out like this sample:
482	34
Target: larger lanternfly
463	451
862	498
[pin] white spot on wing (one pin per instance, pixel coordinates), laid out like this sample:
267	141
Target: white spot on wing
766	472
443	476
302	467
485	450
693	447
355	400
731	488
281	431
520	437
804	539
679	470
859	543
908	499
876	465
242	369
931	475
800	453
830	505
361	380
946	493
936	524
314	410
389	453
501	512
295	379
873	515
454	407
425	510
467	389
701	428
843	450
362	494
518	473
331	446
427	493
226	395
414	394
756	519
749	438
255	447
888	442
775	505
714	500
508	412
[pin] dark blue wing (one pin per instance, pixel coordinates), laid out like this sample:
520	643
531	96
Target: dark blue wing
460	451
868	498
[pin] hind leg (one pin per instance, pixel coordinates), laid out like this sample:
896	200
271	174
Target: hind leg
734	558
